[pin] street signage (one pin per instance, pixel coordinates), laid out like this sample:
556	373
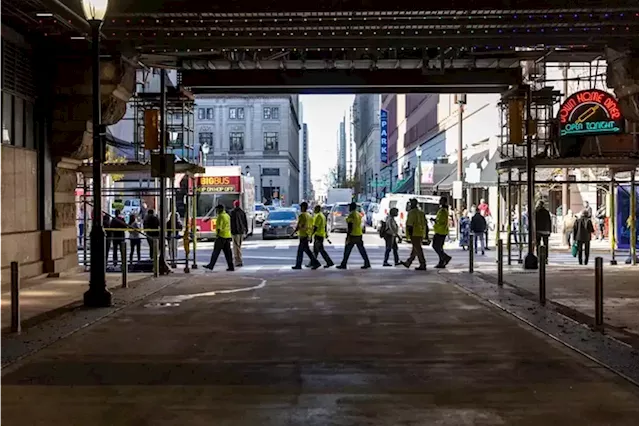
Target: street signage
427	172
384	133
590	113
472	173
457	190
219	184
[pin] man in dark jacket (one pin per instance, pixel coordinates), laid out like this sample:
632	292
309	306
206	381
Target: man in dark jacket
478	227
119	226
543	225
239	229
582	230
151	227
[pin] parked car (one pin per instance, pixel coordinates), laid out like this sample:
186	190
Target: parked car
296	207
428	203
280	223
337	220
326	209
260	213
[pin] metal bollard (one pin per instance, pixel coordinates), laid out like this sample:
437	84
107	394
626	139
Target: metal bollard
599	294
156	263
125	267
542	254
472	245
500	263
16	324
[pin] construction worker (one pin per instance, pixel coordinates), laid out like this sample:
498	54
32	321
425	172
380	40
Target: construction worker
319	234
223	240
417	230
354	238
304	228
440	233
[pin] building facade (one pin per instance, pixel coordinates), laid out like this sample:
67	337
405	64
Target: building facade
366	129
306	166
341	166
259	133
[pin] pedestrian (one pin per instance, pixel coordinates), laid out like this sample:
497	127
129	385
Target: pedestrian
319	234
134	236
588	208
463	225
478	226
542	225
484	210
417	230
391	237
567	227
223	239
239	229
582	230
601	214
354	238
143	210
118	227
440	233
304	228
106	225
151	226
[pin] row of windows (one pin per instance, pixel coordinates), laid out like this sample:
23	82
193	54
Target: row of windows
18	121
237	113
236	140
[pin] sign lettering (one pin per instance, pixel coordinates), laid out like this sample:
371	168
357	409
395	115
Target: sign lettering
590	112
219	184
384	133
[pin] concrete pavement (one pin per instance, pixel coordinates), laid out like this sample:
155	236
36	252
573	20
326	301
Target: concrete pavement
312	348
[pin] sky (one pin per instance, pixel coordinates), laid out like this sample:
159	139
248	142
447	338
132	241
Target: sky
323	114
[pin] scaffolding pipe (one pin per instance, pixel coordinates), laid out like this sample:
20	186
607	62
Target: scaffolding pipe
163	180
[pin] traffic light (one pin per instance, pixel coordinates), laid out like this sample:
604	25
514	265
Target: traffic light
151	129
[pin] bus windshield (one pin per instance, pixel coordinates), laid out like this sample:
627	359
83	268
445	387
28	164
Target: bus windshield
207	203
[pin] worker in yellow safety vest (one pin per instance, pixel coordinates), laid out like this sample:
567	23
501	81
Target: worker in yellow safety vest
223	239
319	234
305	229
354	238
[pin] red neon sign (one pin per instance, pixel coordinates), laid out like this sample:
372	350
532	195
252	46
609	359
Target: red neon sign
594	97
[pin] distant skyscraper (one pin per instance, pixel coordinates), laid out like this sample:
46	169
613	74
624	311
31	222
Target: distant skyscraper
341	168
306	179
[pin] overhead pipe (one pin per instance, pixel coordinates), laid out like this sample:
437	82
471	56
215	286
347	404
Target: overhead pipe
77	20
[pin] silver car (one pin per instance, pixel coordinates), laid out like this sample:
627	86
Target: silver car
337	220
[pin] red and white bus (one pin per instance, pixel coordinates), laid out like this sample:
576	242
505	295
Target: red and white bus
222	185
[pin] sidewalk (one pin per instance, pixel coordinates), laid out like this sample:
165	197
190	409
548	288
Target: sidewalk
573	287
40	296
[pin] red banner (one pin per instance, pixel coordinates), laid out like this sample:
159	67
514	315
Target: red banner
220	184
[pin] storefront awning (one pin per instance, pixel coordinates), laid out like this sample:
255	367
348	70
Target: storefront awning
488	175
440	172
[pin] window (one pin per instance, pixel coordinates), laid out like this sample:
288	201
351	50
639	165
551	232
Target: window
236	113
236	141
206	138
201	113
270	141
270	171
7	119
271	113
209	113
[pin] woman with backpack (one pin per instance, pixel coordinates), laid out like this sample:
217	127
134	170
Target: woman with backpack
389	231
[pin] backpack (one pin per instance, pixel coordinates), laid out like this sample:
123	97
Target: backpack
383	229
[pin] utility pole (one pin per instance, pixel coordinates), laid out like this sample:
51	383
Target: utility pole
566	200
462	100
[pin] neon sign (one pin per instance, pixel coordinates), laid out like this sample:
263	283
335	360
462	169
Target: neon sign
384	136
590	113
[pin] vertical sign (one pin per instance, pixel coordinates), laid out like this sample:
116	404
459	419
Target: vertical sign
384	141
427	172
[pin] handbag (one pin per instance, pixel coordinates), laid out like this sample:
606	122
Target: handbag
574	249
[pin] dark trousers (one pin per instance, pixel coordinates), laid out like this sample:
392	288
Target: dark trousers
416	251
545	240
355	241
135	246
150	240
117	246
318	248
438	247
108	246
583	246
391	243
303	248
222	245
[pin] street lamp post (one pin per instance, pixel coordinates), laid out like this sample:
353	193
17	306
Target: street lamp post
97	295
376	189
418	171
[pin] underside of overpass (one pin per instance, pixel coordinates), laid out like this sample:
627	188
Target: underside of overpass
286	46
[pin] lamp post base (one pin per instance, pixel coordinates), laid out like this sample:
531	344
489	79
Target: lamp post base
97	298
530	261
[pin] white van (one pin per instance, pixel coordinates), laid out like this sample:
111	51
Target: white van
428	203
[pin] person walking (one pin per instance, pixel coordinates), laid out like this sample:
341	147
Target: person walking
485	211
601	214
567	227
134	236
118	227
223	239
582	230
239	229
304	228
463	225
417	230
478	227
440	233
151	225
354	238
319	234
391	238
106	225
543	225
